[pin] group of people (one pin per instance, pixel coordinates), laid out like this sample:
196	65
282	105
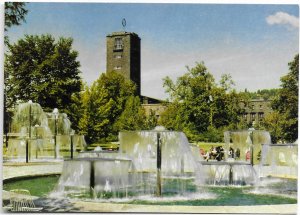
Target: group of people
215	153
218	153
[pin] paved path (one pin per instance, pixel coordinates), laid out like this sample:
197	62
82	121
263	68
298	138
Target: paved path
112	207
16	170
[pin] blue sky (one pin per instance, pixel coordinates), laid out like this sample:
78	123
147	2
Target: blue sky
253	43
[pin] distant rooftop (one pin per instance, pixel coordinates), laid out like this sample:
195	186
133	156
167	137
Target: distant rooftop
121	33
149	100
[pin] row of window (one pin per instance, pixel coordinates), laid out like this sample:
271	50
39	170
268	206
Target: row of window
118	46
252	116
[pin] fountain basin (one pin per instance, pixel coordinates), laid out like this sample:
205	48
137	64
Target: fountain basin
214	196
229	173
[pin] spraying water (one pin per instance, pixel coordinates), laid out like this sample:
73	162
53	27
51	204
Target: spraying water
37	135
149	163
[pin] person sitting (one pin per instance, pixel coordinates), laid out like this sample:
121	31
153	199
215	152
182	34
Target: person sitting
206	156
213	153
202	152
248	155
220	153
231	153
237	153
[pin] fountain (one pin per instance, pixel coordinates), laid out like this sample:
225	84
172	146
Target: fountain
161	158
159	166
37	135
279	160
161	162
242	151
150	163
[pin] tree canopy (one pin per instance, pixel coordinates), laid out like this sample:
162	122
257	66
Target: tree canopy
286	103
40	69
199	105
110	105
15	13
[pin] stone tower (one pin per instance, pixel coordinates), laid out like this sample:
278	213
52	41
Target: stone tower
123	55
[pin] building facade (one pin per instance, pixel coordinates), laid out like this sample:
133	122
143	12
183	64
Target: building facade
123	55
154	106
255	110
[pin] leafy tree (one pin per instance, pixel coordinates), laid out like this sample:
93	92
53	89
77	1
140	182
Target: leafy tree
172	117
212	135
190	95
103	105
274	122
133	117
76	109
84	123
266	94
287	101
39	69
151	121
15	13
226	82
198	103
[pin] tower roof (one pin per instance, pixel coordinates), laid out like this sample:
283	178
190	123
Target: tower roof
122	33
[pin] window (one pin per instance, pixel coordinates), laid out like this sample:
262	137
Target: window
252	116
118	44
118	56
117	67
260	116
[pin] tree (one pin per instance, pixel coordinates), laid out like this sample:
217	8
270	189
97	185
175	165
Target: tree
133	117
103	104
286	102
198	103
266	94
226	82
15	13
151	121
76	109
274	122
39	69
190	96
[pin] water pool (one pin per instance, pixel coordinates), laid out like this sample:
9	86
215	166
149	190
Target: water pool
37	186
269	191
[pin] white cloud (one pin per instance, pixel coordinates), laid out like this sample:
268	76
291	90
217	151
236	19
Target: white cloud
281	18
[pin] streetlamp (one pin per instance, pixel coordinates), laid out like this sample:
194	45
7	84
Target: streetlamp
252	148
36	140
72	142
29	132
55	113
158	165
210	100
